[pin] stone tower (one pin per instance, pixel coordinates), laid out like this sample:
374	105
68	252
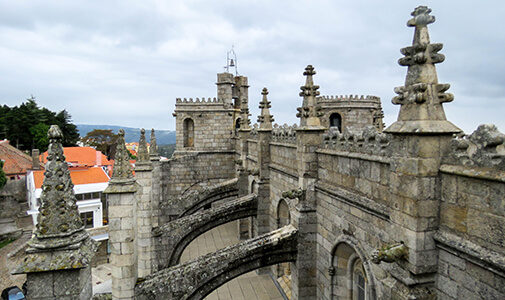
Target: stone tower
209	124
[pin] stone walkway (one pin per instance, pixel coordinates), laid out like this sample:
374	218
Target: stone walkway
249	286
8	263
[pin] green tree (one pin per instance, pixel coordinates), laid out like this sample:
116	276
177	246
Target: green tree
20	124
39	133
102	139
3	178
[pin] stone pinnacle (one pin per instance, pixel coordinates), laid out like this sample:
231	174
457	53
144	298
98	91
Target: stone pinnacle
142	154
59	224
309	112
153	149
122	171
421	97
265	118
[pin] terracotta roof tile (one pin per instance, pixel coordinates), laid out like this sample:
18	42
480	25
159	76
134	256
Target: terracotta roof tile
16	161
83	156
78	175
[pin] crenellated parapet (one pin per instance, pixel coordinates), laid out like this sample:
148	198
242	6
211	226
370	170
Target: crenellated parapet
198	100
485	147
284	133
369	141
254	132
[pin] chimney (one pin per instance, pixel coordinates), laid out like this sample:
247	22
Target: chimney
98	161
35	159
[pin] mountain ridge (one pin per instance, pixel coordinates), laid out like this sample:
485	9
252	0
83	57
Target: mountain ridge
132	134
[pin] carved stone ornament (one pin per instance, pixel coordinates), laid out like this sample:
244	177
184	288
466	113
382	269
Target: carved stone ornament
390	253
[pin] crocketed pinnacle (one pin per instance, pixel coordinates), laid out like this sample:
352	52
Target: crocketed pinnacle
309	112
422	96
59	224
153	149
122	171
265	118
142	154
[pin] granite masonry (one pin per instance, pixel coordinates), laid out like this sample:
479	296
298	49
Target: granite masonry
339	205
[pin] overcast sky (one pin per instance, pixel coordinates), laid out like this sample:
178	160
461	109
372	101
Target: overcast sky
125	62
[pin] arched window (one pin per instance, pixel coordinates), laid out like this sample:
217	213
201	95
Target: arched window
189	133
336	121
348	276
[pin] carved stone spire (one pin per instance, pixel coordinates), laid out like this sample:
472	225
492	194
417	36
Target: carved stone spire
59	223
142	154
153	149
265	118
60	241
422	96
122	171
309	112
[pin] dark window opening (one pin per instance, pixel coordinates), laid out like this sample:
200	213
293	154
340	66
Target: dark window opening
336	121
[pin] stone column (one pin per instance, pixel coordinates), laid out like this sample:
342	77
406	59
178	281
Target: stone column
144	175
225	84
58	256
122	224
308	139
420	136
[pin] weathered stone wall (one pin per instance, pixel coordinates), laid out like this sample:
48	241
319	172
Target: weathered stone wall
352	196
180	175
471	239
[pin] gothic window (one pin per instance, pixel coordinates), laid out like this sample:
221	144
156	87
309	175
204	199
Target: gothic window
189	133
336	121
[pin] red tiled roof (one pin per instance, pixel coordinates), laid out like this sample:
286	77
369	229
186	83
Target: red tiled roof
78	175
83	156
16	161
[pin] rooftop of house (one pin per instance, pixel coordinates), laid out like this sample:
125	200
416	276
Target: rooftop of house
16	161
83	156
79	175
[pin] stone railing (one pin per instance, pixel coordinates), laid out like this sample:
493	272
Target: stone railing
348	98
369	141
284	134
485	147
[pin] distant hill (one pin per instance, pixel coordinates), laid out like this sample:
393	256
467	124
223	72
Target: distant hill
163	137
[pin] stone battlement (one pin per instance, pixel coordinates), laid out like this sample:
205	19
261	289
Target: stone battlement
198	101
369	141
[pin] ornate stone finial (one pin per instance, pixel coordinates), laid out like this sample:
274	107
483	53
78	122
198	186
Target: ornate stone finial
153	149
309	112
265	118
122	171
422	96
59	223
142	154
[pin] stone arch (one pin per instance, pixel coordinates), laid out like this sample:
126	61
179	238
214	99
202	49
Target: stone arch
253	187
183	231
335	121
188	131
347	264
